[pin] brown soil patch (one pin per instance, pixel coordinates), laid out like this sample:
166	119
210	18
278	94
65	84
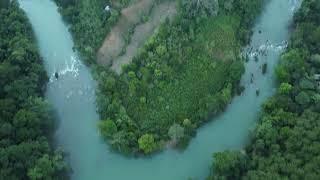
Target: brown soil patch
114	41
109	53
143	32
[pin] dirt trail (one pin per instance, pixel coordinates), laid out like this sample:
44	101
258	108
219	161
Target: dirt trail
108	54
114	41
143	32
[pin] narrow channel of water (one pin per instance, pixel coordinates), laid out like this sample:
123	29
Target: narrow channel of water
73	97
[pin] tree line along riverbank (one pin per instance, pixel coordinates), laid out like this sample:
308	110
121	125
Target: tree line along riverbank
285	143
26	119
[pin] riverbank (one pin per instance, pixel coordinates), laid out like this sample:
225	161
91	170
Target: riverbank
284	145
26	118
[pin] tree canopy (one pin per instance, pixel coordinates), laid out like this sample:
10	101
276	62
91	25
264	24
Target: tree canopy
285	143
26	121
146	143
189	69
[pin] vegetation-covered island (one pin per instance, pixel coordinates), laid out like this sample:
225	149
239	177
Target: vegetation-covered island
26	119
186	72
286	142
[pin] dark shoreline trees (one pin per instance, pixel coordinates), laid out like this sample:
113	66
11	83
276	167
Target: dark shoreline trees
285	144
26	119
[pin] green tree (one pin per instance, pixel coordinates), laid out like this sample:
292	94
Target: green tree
176	132
147	143
228	163
47	167
306	84
187	123
110	83
282	74
161	50
226	94
107	128
285	88
303	98
200	8
120	142
237	69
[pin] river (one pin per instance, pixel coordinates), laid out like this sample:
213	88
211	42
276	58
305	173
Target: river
73	97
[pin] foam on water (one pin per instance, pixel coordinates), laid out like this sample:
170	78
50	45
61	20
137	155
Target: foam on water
263	48
294	5
71	67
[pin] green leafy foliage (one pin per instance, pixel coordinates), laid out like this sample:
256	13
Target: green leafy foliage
187	71
147	143
285	144
199	8
108	128
247	10
26	121
229	163
46	167
285	88
176	132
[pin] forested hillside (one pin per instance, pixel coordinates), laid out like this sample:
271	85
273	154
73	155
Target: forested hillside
286	142
26	121
186	72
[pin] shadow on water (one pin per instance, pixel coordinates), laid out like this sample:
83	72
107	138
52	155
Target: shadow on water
73	97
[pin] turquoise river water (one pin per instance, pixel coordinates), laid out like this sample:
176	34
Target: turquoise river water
73	97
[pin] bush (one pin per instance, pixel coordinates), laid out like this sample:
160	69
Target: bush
108	128
147	143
